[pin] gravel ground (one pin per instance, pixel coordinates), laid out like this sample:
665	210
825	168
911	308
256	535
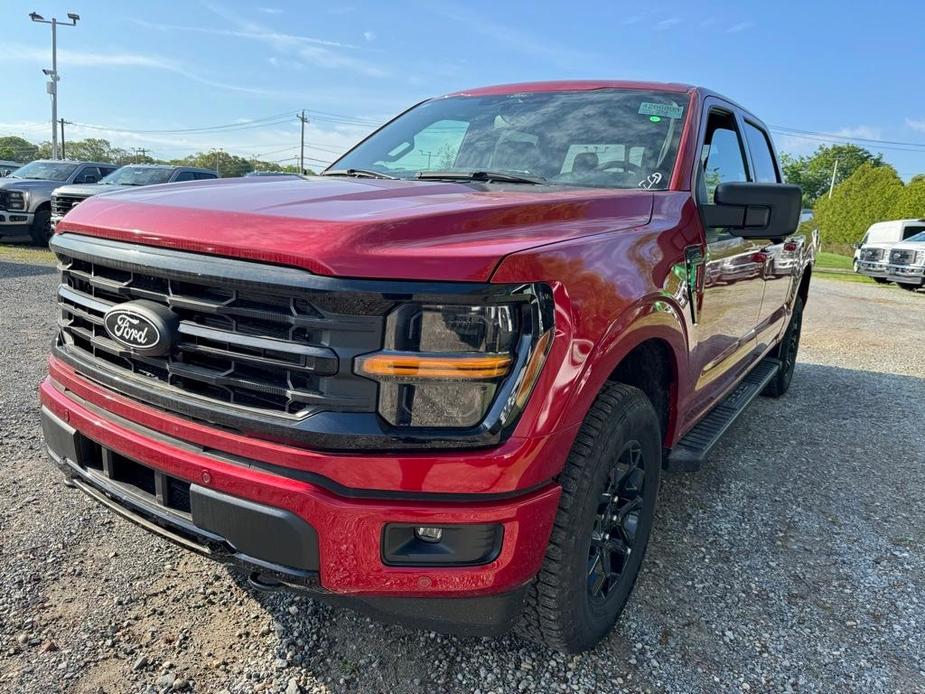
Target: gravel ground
792	562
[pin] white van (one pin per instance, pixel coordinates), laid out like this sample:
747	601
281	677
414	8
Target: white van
871	256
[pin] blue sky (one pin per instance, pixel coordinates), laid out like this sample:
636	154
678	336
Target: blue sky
852	69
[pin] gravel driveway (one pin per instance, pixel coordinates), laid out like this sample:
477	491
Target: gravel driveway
793	561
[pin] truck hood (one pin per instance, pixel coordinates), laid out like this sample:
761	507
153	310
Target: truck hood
29	185
88	189
367	228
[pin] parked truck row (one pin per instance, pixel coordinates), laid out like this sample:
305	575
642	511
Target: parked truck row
893	251
35	196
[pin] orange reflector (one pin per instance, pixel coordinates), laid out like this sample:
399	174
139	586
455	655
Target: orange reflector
532	372
434	366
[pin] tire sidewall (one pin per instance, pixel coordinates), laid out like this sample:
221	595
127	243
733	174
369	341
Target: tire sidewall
41	230
593	621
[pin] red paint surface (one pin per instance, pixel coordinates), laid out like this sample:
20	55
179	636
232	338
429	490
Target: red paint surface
349	531
612	258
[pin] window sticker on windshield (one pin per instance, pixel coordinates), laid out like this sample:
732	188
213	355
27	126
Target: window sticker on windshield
647	108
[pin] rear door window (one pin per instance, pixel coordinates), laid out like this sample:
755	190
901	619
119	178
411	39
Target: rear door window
759	146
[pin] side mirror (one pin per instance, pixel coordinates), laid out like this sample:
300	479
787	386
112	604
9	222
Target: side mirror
755	210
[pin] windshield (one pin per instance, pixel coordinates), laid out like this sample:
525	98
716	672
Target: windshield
918	238
45	171
608	138
137	176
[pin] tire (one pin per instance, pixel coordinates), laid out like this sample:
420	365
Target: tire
787	353
881	280
618	449
909	287
41	228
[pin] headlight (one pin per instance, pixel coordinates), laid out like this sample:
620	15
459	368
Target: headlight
15	200
449	365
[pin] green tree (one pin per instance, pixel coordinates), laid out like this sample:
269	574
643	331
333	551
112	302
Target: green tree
911	204
873	193
14	148
813	173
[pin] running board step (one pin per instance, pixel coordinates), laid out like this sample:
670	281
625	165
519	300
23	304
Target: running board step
691	451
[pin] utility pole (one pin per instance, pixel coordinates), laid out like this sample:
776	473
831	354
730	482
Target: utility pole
63	123
303	120
140	152
52	86
218	162
832	183
429	156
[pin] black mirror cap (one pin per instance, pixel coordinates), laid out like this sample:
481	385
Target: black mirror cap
756	210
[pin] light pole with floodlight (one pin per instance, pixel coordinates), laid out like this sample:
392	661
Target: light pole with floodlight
52	74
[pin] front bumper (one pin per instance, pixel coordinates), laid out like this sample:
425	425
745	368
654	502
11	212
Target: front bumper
15	222
906	274
872	269
335	540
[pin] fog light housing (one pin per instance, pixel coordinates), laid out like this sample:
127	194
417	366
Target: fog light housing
404	544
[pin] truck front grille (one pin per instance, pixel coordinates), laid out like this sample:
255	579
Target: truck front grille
284	351
62	204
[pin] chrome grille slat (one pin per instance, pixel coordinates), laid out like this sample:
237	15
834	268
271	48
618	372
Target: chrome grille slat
265	349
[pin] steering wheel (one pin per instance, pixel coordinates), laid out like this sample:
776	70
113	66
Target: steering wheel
625	166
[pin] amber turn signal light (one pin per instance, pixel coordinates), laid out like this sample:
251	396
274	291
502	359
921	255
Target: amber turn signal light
414	365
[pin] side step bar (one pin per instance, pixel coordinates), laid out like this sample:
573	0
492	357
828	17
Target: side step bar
692	450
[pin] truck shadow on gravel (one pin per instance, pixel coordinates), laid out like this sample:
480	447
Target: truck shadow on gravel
794	544
15	270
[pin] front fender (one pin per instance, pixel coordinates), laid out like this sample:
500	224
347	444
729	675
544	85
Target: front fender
653	317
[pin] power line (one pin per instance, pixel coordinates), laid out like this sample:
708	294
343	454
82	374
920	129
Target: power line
895	145
258	122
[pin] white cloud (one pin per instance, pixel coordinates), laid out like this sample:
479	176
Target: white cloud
512	38
916	124
867	132
21	53
369	35
800	145
741	26
664	24
274	143
270	10
311	50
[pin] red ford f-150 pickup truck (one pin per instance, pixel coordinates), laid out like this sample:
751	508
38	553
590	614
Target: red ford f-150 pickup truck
438	383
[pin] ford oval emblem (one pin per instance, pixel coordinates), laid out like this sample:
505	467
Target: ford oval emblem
142	326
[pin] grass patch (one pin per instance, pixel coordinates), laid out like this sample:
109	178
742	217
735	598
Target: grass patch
825	260
26	254
843	277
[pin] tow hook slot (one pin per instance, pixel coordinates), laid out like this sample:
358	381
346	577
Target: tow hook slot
262	582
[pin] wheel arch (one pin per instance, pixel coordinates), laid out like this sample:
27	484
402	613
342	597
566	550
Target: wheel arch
647	342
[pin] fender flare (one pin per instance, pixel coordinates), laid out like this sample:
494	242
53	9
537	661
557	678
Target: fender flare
652	317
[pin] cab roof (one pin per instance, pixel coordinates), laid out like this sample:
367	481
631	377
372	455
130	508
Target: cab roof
574	86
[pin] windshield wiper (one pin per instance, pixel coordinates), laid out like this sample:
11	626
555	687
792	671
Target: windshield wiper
496	176
359	173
